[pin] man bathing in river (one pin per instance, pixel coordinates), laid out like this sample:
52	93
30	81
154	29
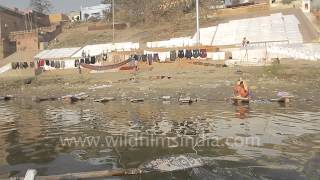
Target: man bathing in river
241	89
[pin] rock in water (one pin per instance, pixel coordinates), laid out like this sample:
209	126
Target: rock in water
166	98
105	99
6	98
174	163
137	100
186	100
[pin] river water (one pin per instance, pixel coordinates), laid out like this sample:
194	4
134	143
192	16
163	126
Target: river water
257	141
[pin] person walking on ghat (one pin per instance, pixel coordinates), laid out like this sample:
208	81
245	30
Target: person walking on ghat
79	68
136	61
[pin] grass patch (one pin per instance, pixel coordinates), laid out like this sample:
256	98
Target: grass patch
275	70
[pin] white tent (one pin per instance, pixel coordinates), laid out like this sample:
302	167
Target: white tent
57	54
61	56
98	49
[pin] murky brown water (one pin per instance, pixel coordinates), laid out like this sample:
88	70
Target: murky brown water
289	138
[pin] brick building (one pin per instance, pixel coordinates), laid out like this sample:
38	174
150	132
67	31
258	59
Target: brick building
31	40
25	40
12	20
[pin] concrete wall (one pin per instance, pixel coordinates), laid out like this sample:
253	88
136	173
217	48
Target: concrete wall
14	20
28	41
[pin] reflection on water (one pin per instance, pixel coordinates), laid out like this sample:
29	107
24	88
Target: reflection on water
289	138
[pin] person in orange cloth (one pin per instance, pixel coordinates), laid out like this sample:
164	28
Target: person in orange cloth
241	89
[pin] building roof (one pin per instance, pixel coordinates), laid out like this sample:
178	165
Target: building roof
98	49
15	12
57	53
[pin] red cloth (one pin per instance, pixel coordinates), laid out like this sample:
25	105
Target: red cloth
41	63
203	53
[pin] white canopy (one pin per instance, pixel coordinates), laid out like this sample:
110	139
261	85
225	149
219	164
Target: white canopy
97	49
57	53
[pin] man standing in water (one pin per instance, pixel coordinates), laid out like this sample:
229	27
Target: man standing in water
241	89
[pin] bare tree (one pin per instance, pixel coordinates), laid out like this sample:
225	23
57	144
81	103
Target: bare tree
106	1
42	6
106	13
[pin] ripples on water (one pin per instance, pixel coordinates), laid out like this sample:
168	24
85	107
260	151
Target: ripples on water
289	138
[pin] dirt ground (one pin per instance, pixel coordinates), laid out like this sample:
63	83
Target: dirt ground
179	79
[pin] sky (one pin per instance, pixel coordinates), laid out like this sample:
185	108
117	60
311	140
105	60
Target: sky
58	5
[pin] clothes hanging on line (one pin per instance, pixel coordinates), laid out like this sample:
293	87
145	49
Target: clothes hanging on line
203	53
173	55
47	63
14	65
144	58
87	60
57	64
136	57
76	63
149	59
41	63
93	60
181	54
63	64
196	53
25	65
104	56
156	57
188	54
140	57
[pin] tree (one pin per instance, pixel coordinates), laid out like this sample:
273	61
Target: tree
106	1
41	6
106	13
